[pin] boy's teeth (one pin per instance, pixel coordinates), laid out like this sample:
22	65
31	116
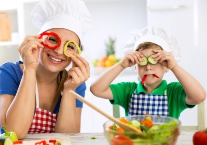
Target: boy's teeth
55	59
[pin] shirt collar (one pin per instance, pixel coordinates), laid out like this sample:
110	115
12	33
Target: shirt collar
158	91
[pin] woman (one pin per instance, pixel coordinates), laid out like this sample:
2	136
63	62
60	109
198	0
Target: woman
34	94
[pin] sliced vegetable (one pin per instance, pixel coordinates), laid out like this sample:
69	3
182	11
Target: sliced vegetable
147	122
152	60
155	75
120	129
144	61
154	128
135	123
144	128
43	142
123	120
143	79
4	140
121	140
18	142
11	135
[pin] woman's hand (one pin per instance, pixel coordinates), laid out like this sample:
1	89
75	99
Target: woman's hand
79	73
165	58
29	51
131	58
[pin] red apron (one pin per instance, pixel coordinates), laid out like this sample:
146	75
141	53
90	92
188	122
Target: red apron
43	120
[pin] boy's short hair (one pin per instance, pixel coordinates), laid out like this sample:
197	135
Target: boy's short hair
146	45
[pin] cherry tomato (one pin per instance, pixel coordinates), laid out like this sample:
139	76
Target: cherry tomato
200	137
121	140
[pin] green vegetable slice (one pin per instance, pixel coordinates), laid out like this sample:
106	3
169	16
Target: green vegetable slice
144	61
144	128
136	123
5	140
152	60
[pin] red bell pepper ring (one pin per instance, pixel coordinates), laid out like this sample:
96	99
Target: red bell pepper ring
49	34
52	141
143	79
55	142
43	142
18	142
155	75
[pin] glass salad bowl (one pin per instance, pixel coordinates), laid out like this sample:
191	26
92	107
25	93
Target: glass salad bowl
154	130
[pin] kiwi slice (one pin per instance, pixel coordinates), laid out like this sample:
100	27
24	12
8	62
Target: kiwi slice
152	60
144	61
5	140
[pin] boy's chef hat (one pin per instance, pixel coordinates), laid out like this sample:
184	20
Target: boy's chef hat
69	14
156	35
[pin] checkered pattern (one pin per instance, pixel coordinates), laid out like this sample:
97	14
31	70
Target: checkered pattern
43	122
142	104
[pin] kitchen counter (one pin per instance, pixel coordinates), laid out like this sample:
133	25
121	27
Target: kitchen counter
185	138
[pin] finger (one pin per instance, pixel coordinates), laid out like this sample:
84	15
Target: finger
30	47
157	50
158	55
136	57
139	56
30	39
74	77
81	63
82	76
130	58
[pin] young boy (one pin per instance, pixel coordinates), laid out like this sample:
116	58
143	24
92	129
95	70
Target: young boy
155	53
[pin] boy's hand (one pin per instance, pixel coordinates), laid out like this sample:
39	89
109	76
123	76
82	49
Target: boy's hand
78	74
165	58
131	58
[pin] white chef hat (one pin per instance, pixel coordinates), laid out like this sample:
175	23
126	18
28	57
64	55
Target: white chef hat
69	14
156	35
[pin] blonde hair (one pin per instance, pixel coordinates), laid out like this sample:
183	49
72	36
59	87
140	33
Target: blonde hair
146	45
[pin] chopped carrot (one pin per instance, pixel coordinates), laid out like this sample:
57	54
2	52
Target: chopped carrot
110	127
139	129
120	129
123	120
18	142
147	122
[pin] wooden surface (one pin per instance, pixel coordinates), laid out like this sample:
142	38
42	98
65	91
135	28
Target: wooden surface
185	138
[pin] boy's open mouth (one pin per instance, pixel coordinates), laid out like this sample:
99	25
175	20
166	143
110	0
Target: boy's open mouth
145	76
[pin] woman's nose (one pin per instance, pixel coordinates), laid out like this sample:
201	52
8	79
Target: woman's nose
59	50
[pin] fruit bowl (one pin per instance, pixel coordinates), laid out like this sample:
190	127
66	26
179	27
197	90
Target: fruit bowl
165	131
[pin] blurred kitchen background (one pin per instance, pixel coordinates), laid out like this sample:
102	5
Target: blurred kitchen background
115	19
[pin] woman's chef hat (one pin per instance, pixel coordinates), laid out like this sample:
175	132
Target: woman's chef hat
69	14
156	35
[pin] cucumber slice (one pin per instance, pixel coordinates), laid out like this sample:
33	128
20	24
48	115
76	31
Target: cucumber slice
136	123
144	61
154	128
5	140
152	60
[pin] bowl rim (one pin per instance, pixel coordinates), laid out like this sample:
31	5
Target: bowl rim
131	132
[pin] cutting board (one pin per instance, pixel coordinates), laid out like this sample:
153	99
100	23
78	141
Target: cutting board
64	141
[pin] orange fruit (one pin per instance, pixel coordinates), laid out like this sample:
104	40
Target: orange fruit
100	64
109	63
